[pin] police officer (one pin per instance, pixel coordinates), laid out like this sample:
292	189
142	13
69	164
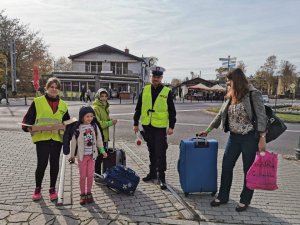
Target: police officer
156	108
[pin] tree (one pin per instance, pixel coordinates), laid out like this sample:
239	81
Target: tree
221	74
152	60
175	82
268	70
63	64
288	74
259	81
242	66
30	50
2	68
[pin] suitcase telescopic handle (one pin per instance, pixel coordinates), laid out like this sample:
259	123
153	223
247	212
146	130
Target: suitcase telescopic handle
198	137
200	141
114	136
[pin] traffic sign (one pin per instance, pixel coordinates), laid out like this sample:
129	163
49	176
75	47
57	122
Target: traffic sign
226	59
230	62
230	66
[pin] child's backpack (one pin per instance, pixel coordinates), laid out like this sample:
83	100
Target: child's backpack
121	179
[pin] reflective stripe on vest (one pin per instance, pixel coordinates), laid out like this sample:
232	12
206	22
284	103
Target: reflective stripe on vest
45	116
158	116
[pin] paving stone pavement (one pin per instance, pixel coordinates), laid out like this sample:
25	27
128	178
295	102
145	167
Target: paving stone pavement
149	205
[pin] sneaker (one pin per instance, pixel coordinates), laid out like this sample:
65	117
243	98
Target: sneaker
89	198
37	195
82	199
52	194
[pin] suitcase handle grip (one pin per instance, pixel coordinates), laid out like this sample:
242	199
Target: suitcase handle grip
200	142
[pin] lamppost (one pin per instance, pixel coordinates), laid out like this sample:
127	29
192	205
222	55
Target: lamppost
276	93
6	81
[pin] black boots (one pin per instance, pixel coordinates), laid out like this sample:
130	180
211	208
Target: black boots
150	176
162	180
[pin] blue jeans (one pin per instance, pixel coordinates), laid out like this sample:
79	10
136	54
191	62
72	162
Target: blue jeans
237	143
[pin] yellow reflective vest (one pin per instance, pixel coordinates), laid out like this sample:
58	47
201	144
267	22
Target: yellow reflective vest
45	116
158	116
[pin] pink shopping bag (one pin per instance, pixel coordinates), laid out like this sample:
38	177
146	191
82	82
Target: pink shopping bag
263	172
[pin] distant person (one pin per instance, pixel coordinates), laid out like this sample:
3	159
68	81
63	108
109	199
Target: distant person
46	110
3	92
156	108
86	145
236	117
101	108
110	93
82	95
88	95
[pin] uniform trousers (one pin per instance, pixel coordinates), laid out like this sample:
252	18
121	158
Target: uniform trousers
156	139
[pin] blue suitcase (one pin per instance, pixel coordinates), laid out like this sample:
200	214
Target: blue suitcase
197	165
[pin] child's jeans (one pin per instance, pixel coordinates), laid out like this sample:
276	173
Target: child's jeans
86	172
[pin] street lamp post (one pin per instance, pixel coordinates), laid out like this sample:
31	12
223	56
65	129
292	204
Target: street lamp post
6	81
276	94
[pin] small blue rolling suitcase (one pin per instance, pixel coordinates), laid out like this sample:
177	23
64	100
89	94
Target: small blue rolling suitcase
197	165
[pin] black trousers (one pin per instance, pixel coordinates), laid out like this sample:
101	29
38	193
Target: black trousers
82	96
88	98
47	151
156	139
99	160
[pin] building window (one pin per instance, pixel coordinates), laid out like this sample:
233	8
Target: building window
119	68
67	86
75	86
88	67
93	67
125	68
91	86
99	67
113	67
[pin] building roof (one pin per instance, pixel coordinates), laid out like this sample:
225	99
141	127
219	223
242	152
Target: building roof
195	81
105	49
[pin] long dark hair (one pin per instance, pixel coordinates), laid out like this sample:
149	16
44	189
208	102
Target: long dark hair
239	86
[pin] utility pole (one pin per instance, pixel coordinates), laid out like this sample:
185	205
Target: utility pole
13	65
6	81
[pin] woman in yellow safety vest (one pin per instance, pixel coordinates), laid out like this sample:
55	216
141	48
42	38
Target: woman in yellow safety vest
46	110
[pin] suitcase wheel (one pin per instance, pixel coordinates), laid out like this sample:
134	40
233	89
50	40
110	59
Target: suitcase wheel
213	194
186	194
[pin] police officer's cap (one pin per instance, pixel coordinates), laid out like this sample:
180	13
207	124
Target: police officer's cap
157	70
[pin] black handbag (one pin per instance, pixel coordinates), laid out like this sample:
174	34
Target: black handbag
275	126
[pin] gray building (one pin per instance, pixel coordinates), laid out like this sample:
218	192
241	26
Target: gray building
104	67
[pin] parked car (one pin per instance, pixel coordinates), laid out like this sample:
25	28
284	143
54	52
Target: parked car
265	98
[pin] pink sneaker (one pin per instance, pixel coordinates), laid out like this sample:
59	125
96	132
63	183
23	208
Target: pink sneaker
89	198
37	194
52	194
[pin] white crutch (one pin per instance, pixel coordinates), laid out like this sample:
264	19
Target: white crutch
61	181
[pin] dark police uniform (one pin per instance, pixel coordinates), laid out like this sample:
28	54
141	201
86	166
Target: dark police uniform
158	119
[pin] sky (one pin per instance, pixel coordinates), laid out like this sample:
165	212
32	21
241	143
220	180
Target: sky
185	35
